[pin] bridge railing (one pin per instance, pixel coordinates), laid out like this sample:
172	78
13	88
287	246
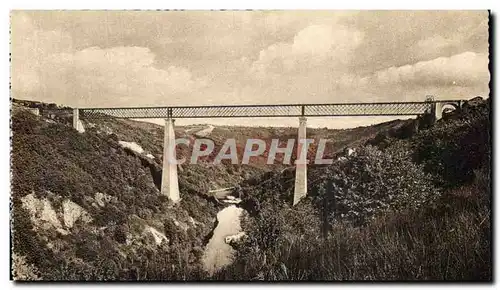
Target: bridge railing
288	110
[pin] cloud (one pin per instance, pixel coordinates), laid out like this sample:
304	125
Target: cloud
313	46
48	66
396	38
321	41
465	69
29	46
111	58
462	75
119	75
434	43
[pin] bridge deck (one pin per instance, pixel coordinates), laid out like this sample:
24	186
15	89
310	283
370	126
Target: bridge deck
288	110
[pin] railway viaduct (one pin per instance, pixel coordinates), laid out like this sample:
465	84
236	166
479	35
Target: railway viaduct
170	186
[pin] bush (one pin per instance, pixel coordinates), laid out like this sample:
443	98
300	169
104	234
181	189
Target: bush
445	243
373	181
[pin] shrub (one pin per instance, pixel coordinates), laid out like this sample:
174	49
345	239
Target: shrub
414	244
373	181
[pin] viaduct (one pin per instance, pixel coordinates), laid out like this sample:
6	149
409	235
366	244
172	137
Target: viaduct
170	186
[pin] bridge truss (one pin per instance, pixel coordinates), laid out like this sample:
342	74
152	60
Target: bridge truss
238	111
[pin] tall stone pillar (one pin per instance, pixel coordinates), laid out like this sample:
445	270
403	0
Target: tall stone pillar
436	108
76	118
77	123
169	179
301	166
436	111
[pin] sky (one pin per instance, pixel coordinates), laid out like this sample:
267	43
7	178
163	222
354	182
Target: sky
161	58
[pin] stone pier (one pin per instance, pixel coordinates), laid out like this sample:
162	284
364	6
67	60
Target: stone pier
77	123
169	179
300	164
76	118
437	111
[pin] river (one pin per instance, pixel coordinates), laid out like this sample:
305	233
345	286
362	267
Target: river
217	252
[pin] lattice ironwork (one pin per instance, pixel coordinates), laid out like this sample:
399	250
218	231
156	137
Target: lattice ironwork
236	111
346	109
129	113
368	109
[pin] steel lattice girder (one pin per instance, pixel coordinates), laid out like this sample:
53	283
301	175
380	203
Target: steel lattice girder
374	109
346	109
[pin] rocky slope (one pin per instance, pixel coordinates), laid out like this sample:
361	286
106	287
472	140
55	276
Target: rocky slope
85	207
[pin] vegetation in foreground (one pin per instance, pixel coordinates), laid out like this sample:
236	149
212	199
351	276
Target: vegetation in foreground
417	210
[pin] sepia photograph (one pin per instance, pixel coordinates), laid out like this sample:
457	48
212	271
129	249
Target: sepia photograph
250	145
